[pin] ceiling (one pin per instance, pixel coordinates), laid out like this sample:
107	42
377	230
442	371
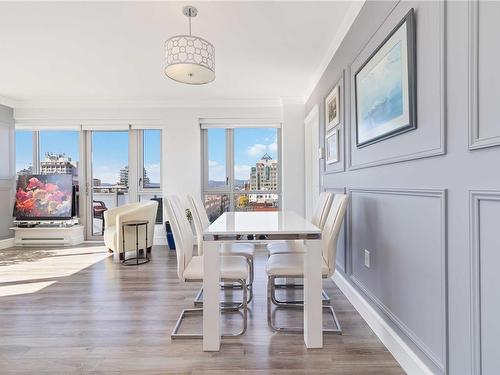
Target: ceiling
105	51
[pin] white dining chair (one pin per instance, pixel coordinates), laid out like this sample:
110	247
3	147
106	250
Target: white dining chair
190	267
319	217
292	264
285	247
201	222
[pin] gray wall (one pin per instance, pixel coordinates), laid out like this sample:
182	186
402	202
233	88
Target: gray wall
7	170
426	203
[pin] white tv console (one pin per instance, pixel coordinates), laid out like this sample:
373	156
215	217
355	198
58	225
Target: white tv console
48	236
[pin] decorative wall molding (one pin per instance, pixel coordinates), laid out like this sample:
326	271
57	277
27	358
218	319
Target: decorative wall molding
475	198
405	356
475	140
339	166
440	194
425	153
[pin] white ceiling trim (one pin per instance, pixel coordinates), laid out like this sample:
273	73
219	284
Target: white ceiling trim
8	101
229	123
119	104
292	100
347	22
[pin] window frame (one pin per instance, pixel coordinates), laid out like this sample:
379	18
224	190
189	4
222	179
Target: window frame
229	187
140	163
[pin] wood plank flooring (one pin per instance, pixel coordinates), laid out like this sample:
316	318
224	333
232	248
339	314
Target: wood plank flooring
104	318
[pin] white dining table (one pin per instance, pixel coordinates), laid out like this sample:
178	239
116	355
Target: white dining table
262	227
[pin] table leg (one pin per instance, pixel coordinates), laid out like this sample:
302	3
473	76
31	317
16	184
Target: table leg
211	310
313	315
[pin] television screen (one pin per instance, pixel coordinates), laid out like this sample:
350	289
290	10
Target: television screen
44	197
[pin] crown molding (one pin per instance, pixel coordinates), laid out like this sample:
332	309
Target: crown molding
292	100
339	36
9	102
118	104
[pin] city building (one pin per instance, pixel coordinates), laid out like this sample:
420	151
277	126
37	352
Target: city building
58	163
264	176
124	177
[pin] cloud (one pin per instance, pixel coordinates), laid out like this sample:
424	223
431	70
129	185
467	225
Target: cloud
257	149
242	172
216	171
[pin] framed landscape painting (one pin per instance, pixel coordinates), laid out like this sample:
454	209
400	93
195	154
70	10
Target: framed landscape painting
385	87
332	108
332	147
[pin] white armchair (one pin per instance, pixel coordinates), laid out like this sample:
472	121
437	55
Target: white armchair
114	218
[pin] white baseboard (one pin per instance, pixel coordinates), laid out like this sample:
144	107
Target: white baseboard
408	360
8	242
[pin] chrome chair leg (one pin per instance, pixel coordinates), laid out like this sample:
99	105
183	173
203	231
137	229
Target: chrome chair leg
198	300
292	303
270	295
326	298
199	311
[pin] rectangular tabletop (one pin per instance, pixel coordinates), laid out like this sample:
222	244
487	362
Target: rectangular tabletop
269	225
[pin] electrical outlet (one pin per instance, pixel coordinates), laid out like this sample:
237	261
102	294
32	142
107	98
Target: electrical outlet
367	258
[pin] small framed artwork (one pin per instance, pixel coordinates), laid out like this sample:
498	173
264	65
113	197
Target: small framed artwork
332	108
385	87
332	147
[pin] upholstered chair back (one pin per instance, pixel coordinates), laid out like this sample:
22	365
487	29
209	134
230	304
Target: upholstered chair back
331	230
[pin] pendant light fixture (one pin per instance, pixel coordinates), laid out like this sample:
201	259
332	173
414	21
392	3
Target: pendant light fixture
190	59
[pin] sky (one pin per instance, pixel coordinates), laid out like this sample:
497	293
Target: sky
250	144
109	151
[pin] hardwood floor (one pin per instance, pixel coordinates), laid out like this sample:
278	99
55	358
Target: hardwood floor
104	318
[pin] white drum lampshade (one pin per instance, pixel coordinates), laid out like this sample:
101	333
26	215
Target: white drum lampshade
190	59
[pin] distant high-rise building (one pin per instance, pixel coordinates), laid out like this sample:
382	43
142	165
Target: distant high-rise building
123	176
145	178
96	182
57	163
264	176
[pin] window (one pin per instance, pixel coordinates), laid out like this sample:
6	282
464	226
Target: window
124	166
241	169
218	176
109	174
47	151
24	152
151	159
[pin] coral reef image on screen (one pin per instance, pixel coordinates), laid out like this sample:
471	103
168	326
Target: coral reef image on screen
43	197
